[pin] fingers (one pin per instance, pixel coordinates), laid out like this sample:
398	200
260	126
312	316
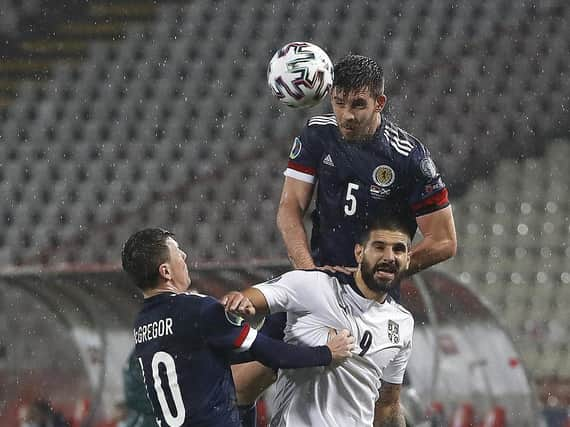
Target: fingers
341	344
236	302
232	300
345	333
332	334
245	307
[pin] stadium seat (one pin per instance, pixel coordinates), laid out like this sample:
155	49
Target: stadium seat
463	416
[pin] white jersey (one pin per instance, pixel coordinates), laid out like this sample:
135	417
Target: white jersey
343	395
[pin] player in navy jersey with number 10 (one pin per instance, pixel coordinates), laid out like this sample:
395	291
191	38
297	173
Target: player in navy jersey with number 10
185	342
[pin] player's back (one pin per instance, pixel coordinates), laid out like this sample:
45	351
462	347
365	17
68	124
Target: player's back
188	380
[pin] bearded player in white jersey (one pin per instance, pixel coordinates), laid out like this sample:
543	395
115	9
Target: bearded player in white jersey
364	390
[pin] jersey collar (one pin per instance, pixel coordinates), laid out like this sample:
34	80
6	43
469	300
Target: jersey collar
361	301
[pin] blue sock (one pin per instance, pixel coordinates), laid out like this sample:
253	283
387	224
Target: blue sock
247	415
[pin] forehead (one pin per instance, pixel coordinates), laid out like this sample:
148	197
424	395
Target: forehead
388	237
363	93
171	243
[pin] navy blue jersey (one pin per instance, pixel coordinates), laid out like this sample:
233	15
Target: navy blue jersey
392	173
184	343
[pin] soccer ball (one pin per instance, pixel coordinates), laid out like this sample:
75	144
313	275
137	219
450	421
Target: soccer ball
300	74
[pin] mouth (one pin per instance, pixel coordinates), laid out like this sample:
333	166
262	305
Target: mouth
386	271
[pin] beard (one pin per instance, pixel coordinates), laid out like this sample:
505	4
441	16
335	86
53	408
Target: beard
379	284
362	130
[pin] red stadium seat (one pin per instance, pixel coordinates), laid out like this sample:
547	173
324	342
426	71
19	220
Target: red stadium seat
495	418
80	412
436	413
463	416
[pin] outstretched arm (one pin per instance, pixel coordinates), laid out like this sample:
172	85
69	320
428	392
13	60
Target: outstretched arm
387	411
295	199
277	354
439	240
228	332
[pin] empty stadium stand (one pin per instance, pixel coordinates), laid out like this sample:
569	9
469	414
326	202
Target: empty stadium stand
118	115
514	231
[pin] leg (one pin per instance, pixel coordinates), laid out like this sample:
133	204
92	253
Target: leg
251	380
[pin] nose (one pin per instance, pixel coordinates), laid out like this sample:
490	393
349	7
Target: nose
388	254
348	115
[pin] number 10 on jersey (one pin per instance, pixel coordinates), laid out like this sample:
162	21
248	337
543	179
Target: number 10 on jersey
167	361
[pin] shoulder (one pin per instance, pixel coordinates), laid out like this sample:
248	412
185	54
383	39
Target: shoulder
307	283
322	121
320	127
402	314
313	276
401	141
193	300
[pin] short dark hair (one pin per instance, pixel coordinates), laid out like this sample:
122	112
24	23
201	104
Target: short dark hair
142	255
357	72
385	222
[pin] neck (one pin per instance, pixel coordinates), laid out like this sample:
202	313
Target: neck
366	291
165	287
375	126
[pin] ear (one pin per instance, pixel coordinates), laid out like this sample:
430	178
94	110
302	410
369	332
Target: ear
358	252
381	103
164	271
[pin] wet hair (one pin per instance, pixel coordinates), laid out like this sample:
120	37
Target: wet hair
385	222
142	255
357	72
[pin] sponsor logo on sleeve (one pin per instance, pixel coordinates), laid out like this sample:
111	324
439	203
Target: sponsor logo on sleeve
234	319
428	168
296	149
433	187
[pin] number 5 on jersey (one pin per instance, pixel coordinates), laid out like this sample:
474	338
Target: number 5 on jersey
350	206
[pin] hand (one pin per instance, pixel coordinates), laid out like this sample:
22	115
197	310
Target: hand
237	303
340	344
337	269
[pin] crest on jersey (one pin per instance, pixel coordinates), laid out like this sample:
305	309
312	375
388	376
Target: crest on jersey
296	149
393	332
383	176
234	319
428	168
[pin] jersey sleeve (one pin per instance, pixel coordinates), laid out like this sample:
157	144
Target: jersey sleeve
224	330
304	157
428	192
293	291
394	372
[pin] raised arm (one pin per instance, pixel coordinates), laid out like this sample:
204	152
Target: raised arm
387	411
439	240
295	199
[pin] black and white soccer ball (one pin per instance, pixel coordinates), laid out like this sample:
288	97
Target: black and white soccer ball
300	74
